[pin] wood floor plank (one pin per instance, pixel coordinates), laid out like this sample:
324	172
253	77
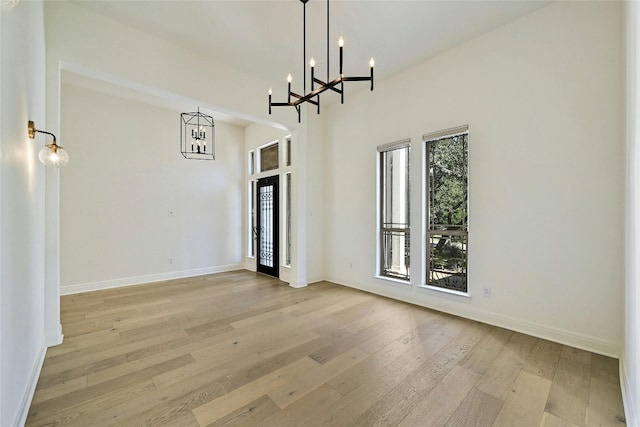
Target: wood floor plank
605	404
59	389
304	410
543	359
304	383
251	414
442	400
478	409
500	376
526	402
55	415
486	351
240	348
569	395
394	406
245	375
236	399
167	404
355	376
84	395
549	420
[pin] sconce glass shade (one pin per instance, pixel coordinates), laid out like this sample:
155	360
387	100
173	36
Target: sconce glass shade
53	155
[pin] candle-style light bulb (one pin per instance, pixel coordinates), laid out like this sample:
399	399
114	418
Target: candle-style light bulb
372	62
289	78
312	62
341	42
270	91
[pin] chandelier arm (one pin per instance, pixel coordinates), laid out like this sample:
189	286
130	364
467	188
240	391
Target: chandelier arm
356	79
294	103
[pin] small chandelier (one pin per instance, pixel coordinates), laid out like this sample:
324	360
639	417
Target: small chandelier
317	86
197	136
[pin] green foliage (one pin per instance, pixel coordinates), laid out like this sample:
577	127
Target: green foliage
448	257
448	181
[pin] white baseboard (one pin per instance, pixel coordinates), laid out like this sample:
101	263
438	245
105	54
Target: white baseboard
55	339
139	280
298	284
630	410
27	397
467	311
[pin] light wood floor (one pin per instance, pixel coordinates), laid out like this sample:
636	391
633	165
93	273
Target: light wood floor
241	349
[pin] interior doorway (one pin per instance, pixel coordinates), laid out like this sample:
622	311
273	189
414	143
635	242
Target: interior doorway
268	230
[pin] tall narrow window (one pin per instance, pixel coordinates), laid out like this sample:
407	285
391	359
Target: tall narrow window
287	143
448	208
394	238
252	162
287	219
253	227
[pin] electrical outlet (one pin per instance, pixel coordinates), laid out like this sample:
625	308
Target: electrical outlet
172	213
350	265
170	260
487	293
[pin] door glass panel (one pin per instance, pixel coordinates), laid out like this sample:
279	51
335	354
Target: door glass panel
266	225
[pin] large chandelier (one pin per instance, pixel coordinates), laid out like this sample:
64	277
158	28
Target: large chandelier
317	86
197	136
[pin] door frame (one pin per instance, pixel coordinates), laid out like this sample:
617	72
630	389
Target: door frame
273	270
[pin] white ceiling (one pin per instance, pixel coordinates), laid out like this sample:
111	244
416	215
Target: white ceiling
264	38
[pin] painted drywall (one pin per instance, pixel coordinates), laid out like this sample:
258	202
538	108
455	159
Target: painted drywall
630	360
120	54
22	192
111	48
315	192
543	98
133	209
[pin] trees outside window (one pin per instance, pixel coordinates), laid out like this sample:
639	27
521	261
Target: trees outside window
448	209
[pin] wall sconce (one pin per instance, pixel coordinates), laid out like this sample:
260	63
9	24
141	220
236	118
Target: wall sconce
52	154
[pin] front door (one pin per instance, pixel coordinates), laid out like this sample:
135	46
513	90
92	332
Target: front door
268	235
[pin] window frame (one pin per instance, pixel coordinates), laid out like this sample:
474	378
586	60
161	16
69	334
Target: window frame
385	231
428	230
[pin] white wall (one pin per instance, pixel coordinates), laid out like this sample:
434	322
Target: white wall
109	47
120	54
315	192
543	98
630	360
22	187
125	174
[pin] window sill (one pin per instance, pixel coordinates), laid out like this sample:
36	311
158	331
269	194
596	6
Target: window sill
464	295
286	266
391	279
